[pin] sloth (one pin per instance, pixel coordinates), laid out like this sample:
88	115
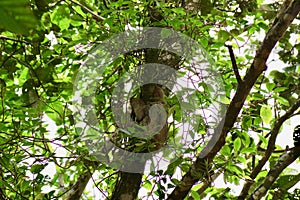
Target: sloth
141	112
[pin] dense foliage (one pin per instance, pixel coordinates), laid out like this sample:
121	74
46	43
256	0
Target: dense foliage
43	44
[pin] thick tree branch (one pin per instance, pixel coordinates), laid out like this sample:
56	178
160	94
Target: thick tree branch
256	69
271	145
285	160
234	65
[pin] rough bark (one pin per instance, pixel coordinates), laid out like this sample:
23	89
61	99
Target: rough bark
258	65
128	186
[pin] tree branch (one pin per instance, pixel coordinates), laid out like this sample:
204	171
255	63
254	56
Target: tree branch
82	181
84	8
234	65
256	69
79	186
2	37
285	160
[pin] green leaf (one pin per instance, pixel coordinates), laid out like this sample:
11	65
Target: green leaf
282	101
179	11
266	114
175	181
225	151
288	181
147	185
64	23
235	169
61	17
280	89
246	122
195	195
242	159
245	138
270	86
37	168
248	150
172	166
204	42
187	106
225	100
252	30
237	144
223	36
263	139
263	25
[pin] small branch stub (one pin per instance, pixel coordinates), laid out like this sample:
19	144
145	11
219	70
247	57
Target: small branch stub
234	65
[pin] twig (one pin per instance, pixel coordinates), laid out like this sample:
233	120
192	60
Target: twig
95	16
3	37
234	65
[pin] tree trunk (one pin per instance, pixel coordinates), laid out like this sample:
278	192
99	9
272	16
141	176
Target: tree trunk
127	187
